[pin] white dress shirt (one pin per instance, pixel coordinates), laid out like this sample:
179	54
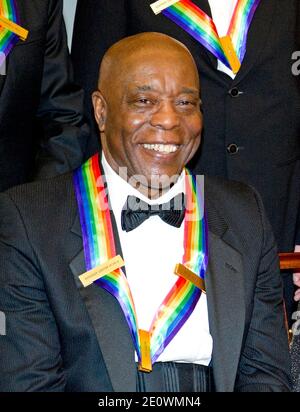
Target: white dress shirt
222	12
69	11
150	253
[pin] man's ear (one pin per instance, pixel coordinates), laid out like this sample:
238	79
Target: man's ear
100	109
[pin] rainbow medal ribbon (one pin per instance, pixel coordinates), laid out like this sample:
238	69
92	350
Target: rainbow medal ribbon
10	30
230	49
180	302
99	248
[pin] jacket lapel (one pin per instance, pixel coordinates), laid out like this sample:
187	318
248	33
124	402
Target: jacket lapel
225	298
111	328
3	69
204	6
2	81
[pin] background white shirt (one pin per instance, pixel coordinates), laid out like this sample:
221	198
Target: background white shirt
222	11
151	252
69	15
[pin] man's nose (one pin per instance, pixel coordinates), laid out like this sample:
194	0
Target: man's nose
166	117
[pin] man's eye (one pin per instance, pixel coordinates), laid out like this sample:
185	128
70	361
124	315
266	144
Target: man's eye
144	101
186	103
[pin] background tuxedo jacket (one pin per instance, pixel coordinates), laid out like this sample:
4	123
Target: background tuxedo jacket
42	132
258	111
63	337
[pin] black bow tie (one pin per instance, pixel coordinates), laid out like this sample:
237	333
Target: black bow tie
136	211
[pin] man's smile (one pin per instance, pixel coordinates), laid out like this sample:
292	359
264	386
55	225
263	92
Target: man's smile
161	147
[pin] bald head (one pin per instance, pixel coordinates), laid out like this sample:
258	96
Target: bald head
128	52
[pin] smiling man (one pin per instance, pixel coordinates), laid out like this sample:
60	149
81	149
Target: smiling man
197	306
154	123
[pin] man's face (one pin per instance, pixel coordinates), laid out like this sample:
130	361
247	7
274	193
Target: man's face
152	123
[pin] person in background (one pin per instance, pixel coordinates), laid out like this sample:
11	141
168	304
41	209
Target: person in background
42	128
251	113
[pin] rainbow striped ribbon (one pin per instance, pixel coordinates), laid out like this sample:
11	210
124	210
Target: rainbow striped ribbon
200	26
240	23
183	296
99	247
8	9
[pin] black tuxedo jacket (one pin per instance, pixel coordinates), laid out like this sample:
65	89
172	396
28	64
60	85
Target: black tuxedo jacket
63	337
258	111
42	132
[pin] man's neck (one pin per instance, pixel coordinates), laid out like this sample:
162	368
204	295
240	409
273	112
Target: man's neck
152	192
159	185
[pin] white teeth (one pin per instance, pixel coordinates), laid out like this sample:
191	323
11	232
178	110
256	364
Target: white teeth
162	148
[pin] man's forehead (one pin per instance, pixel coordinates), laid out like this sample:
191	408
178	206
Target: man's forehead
160	76
152	87
148	75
